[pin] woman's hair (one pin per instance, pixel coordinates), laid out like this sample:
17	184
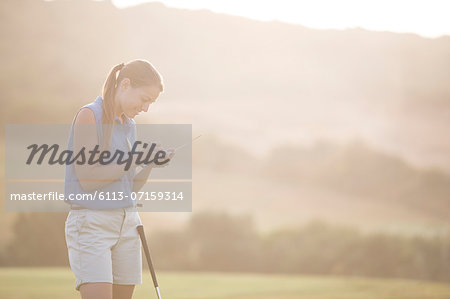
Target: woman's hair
140	73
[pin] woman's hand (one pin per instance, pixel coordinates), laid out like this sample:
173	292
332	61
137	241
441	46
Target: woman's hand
169	153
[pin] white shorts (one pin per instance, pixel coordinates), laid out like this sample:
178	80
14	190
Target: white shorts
104	246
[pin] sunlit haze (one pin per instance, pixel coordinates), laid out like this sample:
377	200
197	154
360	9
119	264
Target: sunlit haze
426	18
322	171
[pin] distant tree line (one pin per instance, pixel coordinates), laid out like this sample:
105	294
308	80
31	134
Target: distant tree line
353	169
359	170
221	242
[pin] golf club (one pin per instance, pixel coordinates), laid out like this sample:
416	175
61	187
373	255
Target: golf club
140	229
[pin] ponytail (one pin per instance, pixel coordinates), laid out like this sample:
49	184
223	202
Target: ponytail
109	92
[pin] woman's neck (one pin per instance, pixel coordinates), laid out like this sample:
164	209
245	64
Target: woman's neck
118	112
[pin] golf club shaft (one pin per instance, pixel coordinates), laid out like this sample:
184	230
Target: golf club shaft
140	229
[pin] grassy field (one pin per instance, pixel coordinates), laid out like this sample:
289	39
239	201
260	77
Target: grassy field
27	283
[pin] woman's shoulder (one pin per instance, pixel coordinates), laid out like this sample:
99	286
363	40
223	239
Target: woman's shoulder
85	116
89	112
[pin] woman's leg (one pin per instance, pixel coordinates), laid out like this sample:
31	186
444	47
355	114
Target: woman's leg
127	258
121	291
96	290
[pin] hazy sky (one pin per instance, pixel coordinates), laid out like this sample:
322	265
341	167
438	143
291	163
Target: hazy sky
429	18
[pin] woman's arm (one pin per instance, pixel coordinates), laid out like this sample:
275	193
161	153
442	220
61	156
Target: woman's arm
92	177
141	177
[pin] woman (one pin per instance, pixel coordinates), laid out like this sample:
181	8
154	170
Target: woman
101	237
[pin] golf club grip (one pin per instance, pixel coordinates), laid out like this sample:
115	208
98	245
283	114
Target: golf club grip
140	229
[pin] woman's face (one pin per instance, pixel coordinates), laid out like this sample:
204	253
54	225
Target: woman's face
131	101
